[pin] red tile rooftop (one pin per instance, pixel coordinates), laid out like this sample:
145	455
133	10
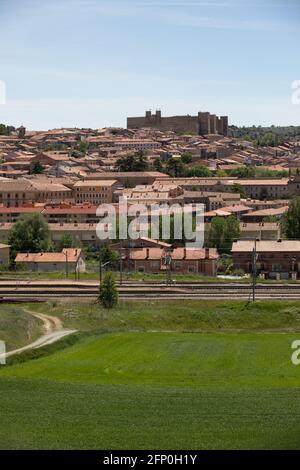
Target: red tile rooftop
268	212
70	254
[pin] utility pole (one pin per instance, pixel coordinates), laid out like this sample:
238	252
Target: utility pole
168	260
100	266
67	268
254	270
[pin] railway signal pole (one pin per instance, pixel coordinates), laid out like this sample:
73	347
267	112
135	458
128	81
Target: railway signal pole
100	266
254	270
168	261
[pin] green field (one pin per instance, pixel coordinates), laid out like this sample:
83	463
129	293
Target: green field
124	386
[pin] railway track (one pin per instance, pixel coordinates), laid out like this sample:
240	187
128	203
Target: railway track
44	290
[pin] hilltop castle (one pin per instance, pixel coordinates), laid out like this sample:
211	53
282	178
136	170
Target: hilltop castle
202	124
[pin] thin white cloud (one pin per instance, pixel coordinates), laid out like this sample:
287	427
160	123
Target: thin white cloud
163	12
197	21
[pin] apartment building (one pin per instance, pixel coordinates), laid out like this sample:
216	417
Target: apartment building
182	260
153	194
51	191
11	214
136	144
15	193
275	259
267	188
82	234
128	178
260	215
211	200
260	231
95	191
71	213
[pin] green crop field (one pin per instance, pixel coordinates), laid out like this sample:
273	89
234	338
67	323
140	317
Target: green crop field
131	386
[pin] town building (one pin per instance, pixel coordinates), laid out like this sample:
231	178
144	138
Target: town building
182	260
128	178
95	191
4	254
69	260
275	259
260	231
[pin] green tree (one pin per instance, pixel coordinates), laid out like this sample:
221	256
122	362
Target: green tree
186	157
83	146
175	167
198	171
243	172
135	162
66	241
221	173
6	130
291	221
30	233
222	232
37	169
238	188
109	256
108	294
157	164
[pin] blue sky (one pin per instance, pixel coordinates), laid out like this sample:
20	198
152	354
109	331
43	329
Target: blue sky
91	63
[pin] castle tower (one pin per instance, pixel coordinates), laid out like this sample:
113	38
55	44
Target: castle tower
204	123
213	124
224	120
21	132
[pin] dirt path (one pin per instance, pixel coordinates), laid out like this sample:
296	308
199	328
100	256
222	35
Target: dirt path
53	331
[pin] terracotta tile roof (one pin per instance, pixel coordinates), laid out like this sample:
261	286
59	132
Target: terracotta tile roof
76	209
67	254
86	183
267	212
176	253
261	182
266	246
20	210
248	226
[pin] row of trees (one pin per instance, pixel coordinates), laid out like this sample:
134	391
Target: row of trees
265	136
6	130
177	168
135	162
